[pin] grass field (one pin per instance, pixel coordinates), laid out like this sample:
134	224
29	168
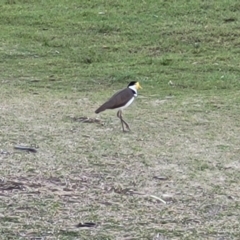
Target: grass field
175	175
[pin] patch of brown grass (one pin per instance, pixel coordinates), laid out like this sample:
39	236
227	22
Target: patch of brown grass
182	151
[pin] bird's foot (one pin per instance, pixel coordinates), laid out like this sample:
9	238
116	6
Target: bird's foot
126	131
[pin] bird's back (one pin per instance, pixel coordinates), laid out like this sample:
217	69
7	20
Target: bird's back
119	99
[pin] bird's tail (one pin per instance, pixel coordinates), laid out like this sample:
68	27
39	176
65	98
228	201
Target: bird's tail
101	109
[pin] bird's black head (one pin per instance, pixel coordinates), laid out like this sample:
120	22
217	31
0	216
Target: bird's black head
132	83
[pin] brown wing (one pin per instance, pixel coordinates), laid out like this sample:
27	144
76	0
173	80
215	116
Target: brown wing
117	100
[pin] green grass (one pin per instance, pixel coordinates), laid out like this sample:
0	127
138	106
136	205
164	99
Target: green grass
61	59
190	43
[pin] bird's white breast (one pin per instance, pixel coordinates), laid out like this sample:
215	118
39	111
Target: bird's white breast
128	103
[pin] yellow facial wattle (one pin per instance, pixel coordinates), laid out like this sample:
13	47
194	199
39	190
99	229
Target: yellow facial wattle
138	86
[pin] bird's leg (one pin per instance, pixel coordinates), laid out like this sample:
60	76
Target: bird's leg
126	125
120	115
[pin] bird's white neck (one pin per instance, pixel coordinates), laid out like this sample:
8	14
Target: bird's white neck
134	89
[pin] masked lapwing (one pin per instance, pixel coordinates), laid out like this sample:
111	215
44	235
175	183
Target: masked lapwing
121	100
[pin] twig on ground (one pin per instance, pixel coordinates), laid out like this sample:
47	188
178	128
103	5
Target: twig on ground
157	198
25	148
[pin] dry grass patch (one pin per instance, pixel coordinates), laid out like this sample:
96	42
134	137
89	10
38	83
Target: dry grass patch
179	151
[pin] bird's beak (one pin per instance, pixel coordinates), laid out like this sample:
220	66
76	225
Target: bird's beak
138	86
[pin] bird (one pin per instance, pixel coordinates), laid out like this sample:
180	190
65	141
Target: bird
120	100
